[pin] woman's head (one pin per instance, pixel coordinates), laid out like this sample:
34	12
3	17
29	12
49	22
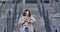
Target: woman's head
26	13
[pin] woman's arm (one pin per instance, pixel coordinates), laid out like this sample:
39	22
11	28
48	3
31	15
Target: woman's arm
21	21
33	20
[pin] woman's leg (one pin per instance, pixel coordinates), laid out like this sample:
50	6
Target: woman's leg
21	28
31	28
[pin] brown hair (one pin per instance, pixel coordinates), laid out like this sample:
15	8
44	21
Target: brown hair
24	14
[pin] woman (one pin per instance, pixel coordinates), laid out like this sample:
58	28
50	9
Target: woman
26	21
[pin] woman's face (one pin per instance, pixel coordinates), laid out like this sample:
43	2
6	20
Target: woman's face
27	13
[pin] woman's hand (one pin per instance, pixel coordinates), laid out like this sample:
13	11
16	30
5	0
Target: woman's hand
29	22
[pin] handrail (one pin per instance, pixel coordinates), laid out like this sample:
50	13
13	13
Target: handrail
39	8
5	26
4	29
